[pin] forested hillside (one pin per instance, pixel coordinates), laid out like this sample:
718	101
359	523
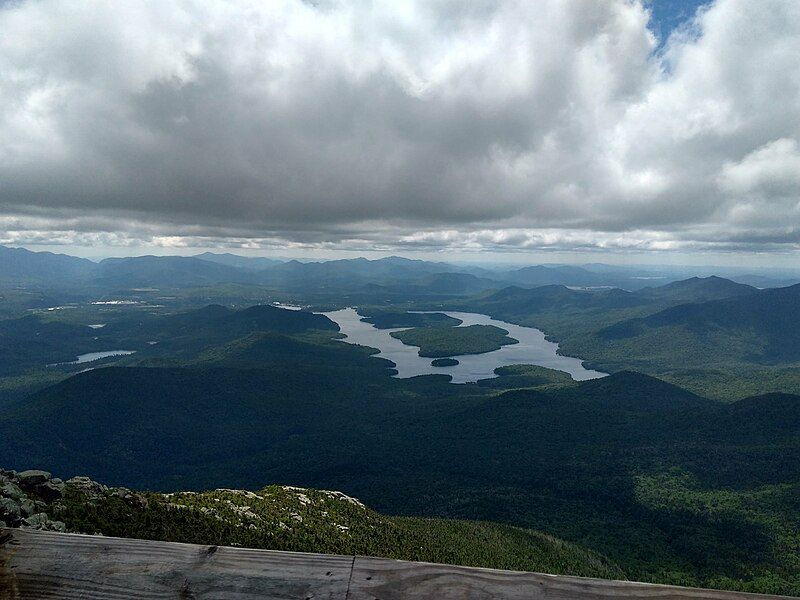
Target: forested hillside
714	336
225	389
283	518
669	485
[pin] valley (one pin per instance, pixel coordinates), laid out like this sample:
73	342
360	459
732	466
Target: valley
493	352
243	387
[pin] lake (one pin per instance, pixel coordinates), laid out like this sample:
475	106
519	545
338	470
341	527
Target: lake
532	349
90	356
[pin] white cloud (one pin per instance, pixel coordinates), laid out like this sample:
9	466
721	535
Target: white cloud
772	169
478	124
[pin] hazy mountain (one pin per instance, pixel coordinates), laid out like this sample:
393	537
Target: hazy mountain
456	283
254	263
518	304
349	271
765	281
539	275
18	265
526	301
166	271
439	284
394	276
697	289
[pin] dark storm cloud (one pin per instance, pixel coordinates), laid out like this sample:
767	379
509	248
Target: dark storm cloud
479	124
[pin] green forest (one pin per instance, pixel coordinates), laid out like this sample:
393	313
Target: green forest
308	520
436	342
694	484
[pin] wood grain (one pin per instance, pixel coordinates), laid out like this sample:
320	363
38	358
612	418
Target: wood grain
36	564
384	579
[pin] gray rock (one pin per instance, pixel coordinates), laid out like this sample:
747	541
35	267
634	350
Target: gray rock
49	491
27	507
37	521
58	526
32	477
10	510
43	522
130	498
90	489
12	490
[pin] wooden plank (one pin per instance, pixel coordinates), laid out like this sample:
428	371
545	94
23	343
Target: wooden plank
384	579
36	564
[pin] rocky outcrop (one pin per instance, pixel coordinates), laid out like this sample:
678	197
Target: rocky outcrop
34	498
25	498
90	489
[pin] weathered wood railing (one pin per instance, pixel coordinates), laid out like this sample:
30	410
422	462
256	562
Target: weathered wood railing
36	564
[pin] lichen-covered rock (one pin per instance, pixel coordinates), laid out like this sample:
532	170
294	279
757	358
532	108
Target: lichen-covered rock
27	507
58	526
11	490
10	511
130	498
50	491
43	522
32	477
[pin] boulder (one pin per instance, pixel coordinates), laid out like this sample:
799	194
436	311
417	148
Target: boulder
27	507
90	489
131	498
58	526
11	490
50	491
32	477
42	521
10	511
37	521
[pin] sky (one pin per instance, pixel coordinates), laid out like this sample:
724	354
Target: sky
658	131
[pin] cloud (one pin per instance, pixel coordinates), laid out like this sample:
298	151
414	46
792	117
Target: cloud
400	124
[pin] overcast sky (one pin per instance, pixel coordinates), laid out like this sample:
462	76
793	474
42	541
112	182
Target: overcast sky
289	125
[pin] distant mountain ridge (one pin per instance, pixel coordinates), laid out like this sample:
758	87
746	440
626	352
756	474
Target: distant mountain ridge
21	265
165	271
698	289
254	263
389	274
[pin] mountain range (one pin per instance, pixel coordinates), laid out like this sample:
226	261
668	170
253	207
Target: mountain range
388	275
